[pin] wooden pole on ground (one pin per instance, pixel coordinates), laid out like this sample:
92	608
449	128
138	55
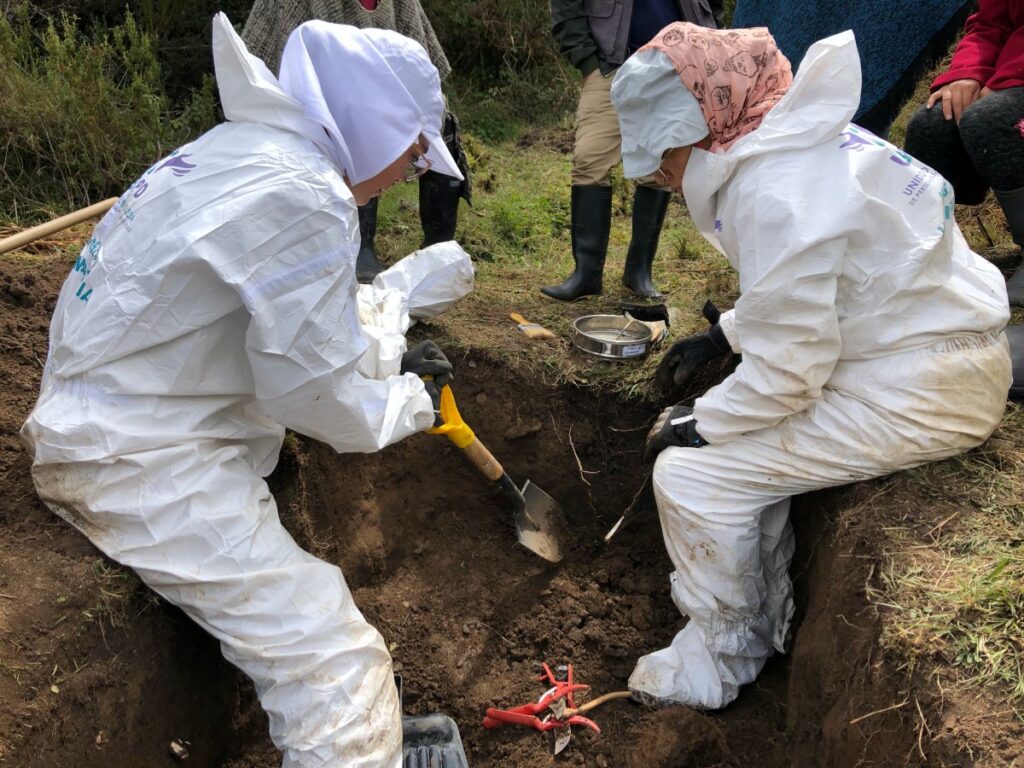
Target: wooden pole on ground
26	236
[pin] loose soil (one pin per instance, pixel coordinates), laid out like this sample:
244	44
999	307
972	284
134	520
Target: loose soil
96	672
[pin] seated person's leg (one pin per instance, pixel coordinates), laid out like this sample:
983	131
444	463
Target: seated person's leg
1015	334
201	528
936	142
992	129
723	507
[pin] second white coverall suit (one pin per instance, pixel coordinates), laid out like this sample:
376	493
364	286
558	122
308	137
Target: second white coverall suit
872	342
215	305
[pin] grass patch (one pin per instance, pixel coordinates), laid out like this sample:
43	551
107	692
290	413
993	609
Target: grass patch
952	578
518	233
117	590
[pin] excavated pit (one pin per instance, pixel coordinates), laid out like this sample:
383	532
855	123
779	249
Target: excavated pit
430	554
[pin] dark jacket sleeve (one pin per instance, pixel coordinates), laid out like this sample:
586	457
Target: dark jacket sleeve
700	12
718	11
572	33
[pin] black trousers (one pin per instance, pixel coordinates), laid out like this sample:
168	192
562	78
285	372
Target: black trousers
984	151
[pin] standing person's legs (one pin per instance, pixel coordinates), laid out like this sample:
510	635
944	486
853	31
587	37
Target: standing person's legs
439	207
596	152
440	194
724	508
201	529
650	204
992	129
598	145
368	266
936	142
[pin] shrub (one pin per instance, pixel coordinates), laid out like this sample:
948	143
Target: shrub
494	36
178	29
506	66
82	113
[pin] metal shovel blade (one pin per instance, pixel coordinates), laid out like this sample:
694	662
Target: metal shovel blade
540	524
562	738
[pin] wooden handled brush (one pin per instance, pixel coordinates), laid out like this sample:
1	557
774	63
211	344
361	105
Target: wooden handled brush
532	330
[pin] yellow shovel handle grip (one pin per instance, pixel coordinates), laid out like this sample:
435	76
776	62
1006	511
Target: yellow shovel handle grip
458	431
454	428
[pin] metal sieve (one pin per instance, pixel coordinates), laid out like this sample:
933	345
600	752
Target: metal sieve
611	337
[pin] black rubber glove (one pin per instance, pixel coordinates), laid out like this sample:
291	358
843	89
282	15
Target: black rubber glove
711	313
435	400
427	359
686	358
683	433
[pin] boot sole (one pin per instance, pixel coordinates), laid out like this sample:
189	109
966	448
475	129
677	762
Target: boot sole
569	301
642	294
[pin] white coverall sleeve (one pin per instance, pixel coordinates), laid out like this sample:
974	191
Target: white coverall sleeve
341	407
785	323
304	340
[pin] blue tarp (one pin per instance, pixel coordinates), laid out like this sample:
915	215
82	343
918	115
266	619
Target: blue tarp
890	33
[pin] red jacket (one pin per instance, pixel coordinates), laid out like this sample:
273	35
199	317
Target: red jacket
992	50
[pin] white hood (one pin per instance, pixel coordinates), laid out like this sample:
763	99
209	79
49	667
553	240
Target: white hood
373	90
818	106
363	123
249	92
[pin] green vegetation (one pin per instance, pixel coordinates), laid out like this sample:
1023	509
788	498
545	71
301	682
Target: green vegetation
952	584
506	71
83	113
518	232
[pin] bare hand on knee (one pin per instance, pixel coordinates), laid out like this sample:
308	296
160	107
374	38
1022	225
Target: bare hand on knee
956	97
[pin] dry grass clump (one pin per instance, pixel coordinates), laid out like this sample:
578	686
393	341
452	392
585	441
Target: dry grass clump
952	577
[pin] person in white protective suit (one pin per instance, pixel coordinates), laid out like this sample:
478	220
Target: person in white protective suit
217	304
871	336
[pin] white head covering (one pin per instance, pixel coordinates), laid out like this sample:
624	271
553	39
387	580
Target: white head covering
656	112
373	90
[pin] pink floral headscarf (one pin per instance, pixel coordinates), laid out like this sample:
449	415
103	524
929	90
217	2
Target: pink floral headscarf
736	75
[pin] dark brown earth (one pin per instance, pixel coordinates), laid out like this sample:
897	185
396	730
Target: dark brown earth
96	672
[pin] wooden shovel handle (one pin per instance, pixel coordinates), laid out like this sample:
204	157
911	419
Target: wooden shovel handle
596	703
63	222
482	459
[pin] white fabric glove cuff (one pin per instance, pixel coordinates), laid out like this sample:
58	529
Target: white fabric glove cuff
727	322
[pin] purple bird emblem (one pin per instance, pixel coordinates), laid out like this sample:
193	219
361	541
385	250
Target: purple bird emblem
178	165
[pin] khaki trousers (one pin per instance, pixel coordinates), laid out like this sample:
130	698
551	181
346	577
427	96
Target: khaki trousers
598	141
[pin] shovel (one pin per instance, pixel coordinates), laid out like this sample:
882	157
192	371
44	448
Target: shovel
538	518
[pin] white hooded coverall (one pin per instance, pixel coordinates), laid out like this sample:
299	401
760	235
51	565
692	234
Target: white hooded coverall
872	342
215	305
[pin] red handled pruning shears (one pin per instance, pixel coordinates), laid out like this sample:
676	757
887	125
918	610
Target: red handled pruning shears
555	701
